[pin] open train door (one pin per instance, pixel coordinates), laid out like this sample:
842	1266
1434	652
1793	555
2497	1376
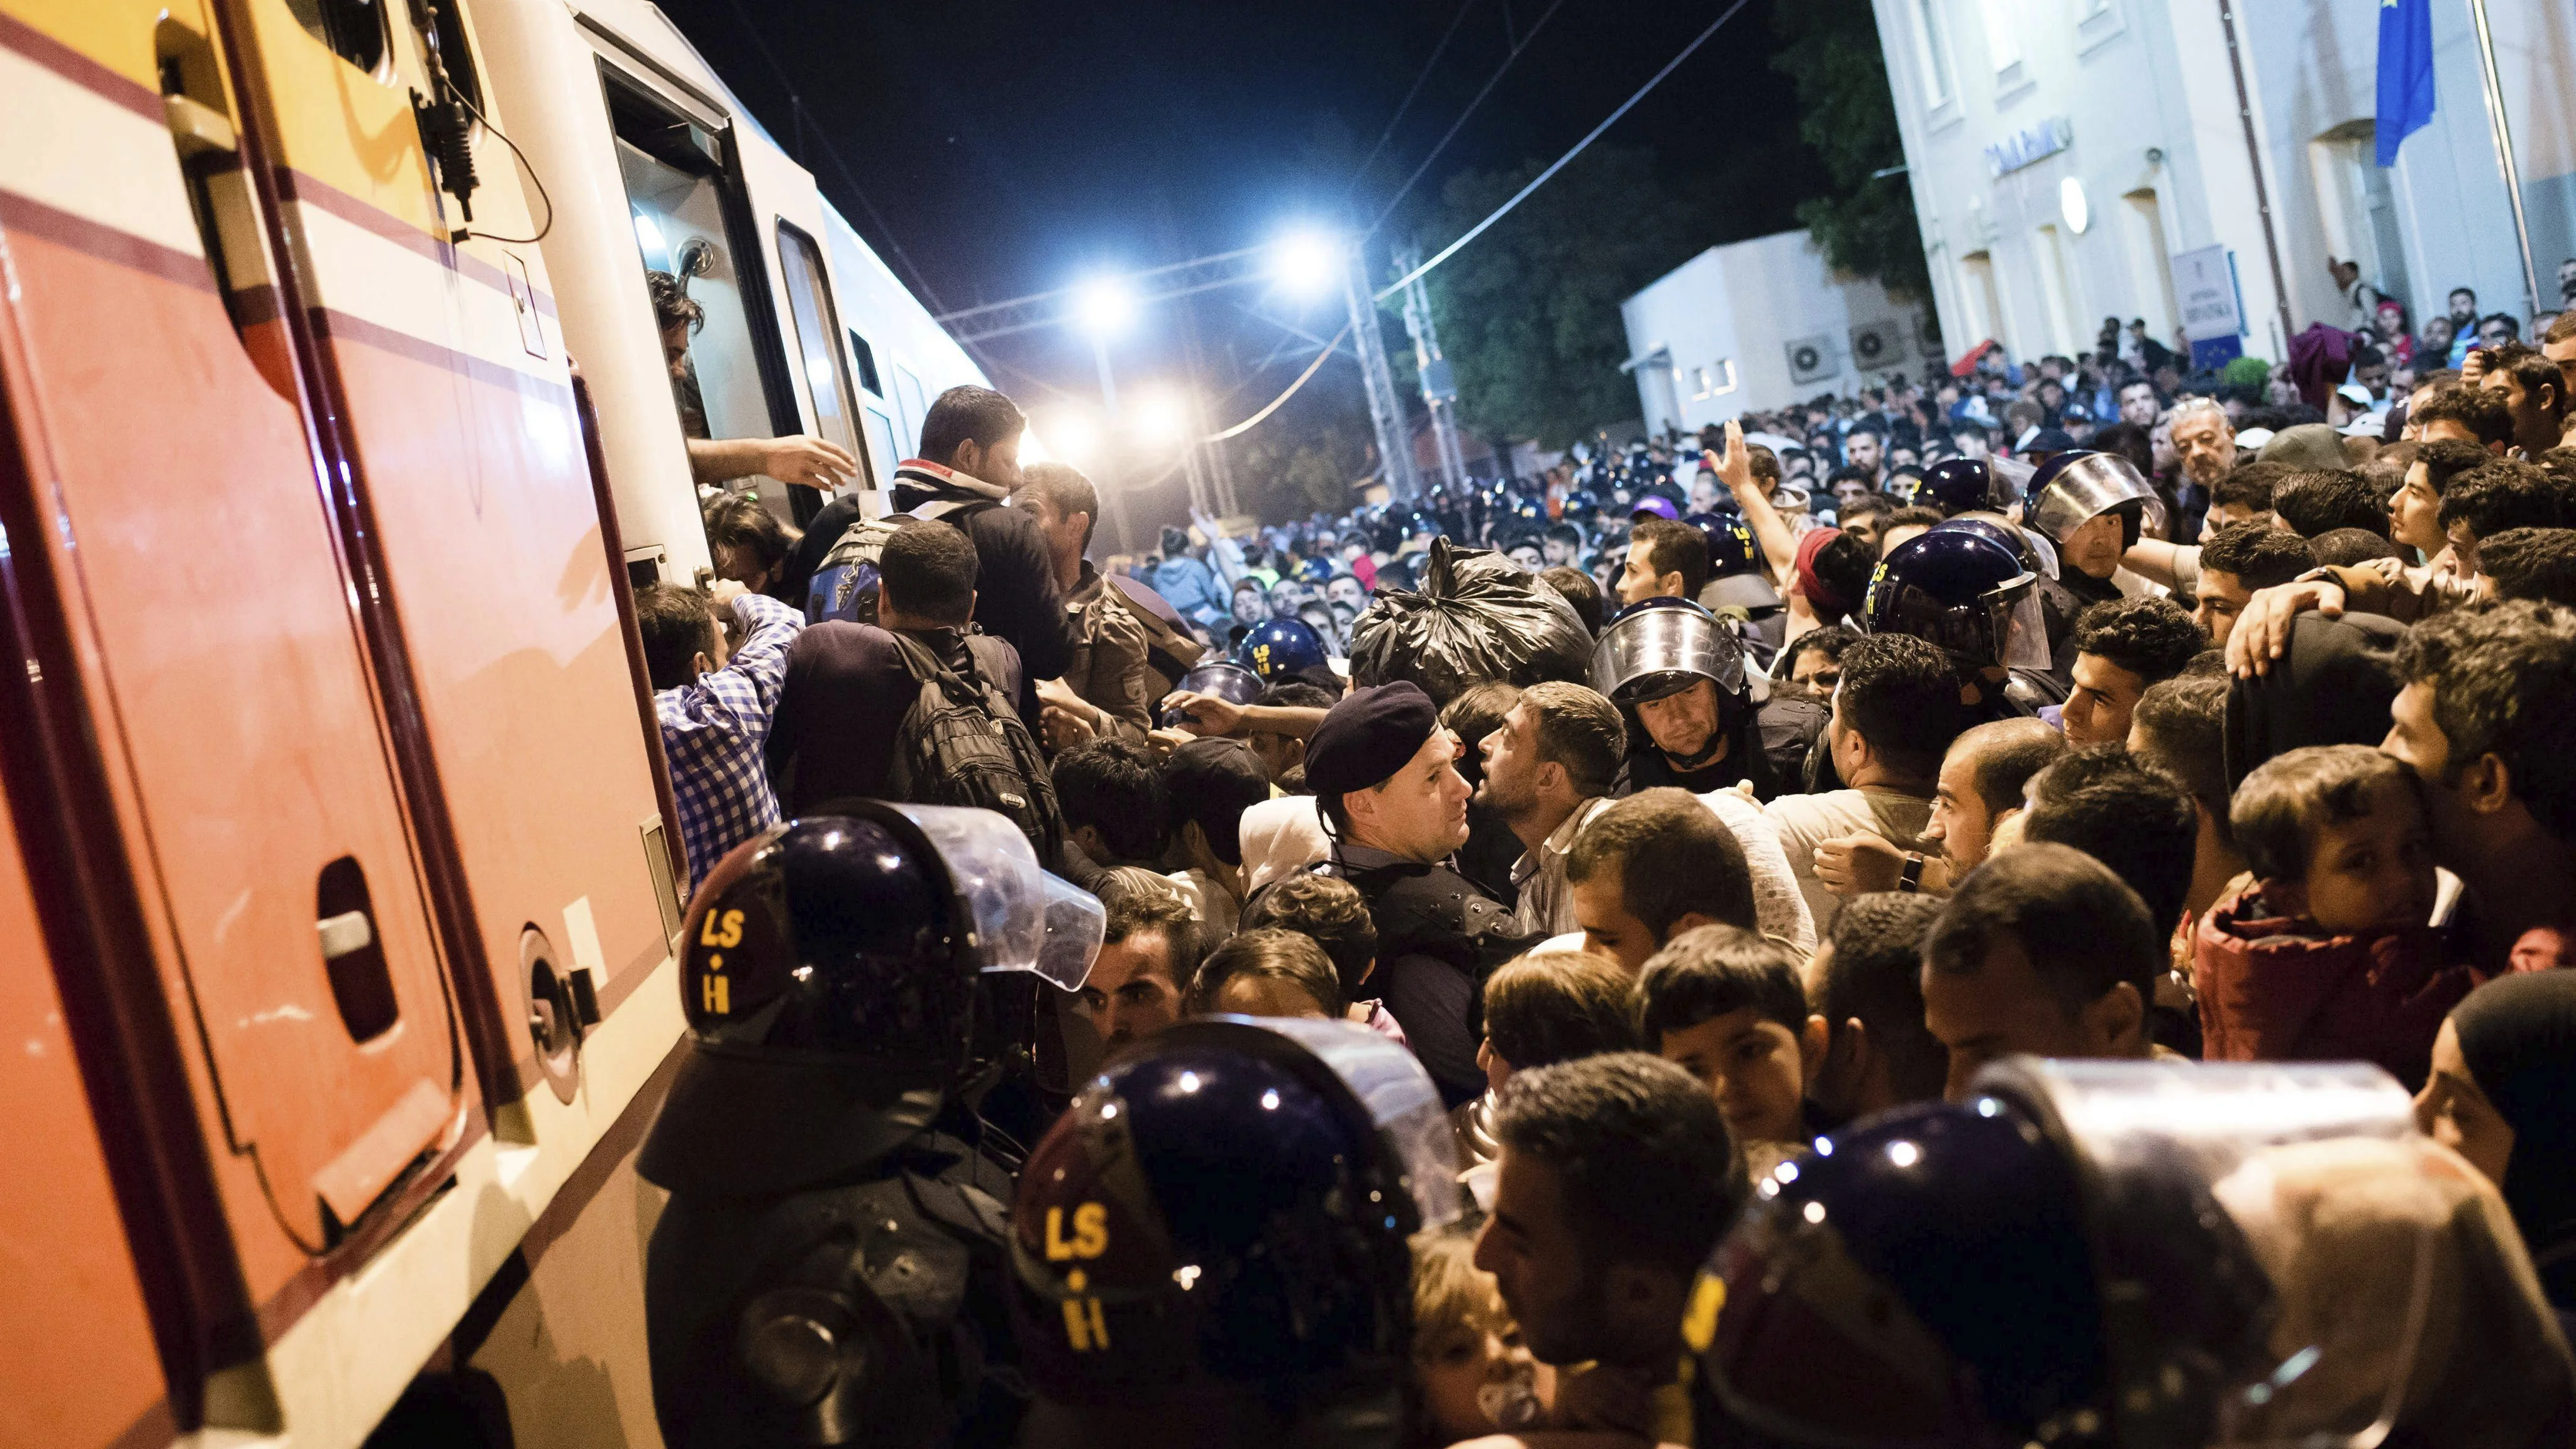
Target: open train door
421	309
195	733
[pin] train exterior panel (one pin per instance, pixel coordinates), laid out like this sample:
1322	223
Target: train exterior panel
337	873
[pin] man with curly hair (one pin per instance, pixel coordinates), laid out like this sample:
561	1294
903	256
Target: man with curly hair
2121	647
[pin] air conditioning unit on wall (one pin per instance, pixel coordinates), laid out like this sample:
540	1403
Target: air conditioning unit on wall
1880	346
1811	359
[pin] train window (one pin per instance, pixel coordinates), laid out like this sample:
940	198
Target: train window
809	303
353	29
442	29
867	360
881	445
678	215
914	412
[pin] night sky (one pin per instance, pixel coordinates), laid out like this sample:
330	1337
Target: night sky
1011	147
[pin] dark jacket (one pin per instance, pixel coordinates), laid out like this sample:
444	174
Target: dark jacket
2273	989
1017	598
1438	938
844	701
1768	746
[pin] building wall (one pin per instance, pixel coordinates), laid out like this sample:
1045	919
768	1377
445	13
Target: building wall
1714	337
2143	94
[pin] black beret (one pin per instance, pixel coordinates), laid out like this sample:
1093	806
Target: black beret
1369	736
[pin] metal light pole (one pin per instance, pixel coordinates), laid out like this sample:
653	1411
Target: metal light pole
1386	409
1439	384
2504	155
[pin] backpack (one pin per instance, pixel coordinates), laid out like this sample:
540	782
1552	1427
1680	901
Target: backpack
963	743
844	585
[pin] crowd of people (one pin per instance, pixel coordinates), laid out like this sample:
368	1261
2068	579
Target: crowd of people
1768	851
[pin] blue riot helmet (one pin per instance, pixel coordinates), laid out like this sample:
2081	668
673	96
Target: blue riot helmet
2034	550
2072	489
1965	592
1316	571
1736	576
2115	1254
829	974
1279	649
1223	1214
1957	485
1580	505
1221	677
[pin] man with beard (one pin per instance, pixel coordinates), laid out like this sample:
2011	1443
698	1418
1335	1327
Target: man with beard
1548	771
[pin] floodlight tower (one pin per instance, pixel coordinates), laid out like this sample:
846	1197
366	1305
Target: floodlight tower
1386	409
1439	382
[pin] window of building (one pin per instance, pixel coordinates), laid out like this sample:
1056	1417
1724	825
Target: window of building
1726	382
2057	290
2003	33
2142	235
1931	53
1699	383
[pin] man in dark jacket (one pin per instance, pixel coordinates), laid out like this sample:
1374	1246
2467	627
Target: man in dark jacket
847	689
1385	776
968	469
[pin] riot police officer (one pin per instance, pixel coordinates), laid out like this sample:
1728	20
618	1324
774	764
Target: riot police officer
1285	650
1959	586
830	1267
2094	507
1739	585
1209	1247
1385	779
2123	1255
1678	674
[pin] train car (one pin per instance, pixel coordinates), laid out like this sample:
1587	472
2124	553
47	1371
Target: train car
337	870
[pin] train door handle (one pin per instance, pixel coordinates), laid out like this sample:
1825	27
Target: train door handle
345	934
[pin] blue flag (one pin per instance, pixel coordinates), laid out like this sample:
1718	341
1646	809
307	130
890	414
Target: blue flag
2405	72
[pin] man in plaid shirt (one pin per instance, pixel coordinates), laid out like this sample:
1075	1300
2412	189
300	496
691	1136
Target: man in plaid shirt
716	710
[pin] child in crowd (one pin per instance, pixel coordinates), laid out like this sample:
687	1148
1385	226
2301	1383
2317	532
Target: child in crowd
1727	1007
1267	973
1539	1009
715	708
2328	954
1332	913
1472	1373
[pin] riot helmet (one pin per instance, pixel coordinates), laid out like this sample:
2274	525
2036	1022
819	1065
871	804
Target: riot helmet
2072	489
830	971
1221	677
1965	592
1225	1210
1659	647
1966	485
2083	1253
2034	550
1317	571
1279	649
1736	576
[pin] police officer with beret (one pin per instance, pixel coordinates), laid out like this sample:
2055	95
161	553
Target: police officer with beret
832	1266
1385	776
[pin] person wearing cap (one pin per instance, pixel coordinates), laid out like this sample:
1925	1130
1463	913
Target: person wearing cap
1386	782
1208	784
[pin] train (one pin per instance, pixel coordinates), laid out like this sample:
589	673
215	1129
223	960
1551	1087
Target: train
338	861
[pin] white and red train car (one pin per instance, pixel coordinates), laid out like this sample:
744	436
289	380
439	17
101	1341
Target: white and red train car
336	855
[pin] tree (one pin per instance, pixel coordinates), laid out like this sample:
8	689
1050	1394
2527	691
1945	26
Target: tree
1529	314
1865	223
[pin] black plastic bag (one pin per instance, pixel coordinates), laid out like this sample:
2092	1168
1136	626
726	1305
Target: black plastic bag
1477	617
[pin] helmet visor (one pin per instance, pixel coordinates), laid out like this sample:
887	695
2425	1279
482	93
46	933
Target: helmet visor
2021	627
2011	481
2349	1245
1023	918
1402	1103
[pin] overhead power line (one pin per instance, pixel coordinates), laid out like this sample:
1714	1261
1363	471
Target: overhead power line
1446	136
1407	103
1473	232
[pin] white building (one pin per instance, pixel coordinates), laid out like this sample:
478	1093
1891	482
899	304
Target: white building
2063	153
1760	324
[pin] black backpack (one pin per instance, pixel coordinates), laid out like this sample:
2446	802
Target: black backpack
963	743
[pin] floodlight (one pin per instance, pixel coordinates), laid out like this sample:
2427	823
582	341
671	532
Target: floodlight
1307	262
1105	305
1074	439
1160	416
